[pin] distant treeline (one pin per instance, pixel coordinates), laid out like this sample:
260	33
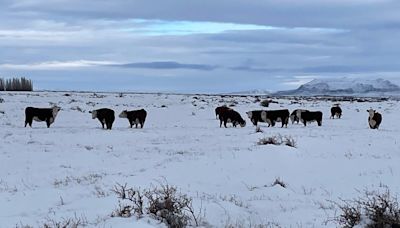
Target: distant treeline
16	84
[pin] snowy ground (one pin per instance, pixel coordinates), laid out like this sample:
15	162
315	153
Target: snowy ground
70	169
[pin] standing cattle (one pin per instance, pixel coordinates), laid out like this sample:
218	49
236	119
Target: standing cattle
220	109
273	116
309	116
105	116
336	111
374	119
135	117
296	115
231	116
41	114
255	116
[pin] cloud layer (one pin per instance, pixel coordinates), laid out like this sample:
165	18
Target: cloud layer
193	46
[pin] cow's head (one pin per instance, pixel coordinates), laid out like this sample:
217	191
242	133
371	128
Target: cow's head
124	114
371	112
242	123
94	114
249	114
55	110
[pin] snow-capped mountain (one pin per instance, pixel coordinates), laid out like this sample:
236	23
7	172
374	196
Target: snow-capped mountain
346	86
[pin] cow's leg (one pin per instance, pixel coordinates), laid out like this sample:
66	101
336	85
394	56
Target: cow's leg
131	123
305	123
142	124
320	123
225	123
48	123
220	123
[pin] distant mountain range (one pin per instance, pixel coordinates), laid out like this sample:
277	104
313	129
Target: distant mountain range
252	92
345	87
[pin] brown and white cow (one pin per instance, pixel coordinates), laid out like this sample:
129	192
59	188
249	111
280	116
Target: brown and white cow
374	119
105	116
273	116
296	115
336	111
135	117
41	114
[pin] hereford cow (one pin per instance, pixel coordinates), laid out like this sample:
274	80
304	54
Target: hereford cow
309	116
255	116
273	116
105	116
135	117
231	116
296	115
374	119
336	111
41	114
220	109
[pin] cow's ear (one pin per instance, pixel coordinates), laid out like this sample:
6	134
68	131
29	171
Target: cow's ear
90	111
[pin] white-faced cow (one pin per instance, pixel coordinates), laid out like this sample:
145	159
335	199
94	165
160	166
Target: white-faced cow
220	109
255	116
296	115
273	116
135	117
231	116
374	119
336	111
309	116
41	114
105	116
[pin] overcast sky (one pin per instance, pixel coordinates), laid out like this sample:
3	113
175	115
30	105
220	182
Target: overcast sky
197	45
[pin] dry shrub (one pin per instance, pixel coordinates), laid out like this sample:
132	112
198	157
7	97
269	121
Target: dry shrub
373	209
278	140
164	203
265	103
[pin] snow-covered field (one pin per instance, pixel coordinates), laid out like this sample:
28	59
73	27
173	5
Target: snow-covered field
70	169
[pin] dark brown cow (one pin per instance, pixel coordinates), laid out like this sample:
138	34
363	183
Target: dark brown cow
309	116
220	109
41	114
135	117
231	116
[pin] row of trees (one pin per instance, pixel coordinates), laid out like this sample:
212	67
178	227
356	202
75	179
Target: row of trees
16	84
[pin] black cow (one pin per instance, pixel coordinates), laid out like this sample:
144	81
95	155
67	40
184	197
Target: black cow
296	115
273	116
255	116
309	116
336	111
105	116
231	116
220	109
41	114
135	117
374	119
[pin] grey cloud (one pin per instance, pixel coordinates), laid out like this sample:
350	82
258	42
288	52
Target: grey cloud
167	65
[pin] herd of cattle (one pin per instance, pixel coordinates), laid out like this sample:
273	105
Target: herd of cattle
106	116
225	114
228	115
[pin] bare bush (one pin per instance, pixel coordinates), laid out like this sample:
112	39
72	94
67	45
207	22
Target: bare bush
265	103
259	130
279	182
163	203
373	209
277	140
